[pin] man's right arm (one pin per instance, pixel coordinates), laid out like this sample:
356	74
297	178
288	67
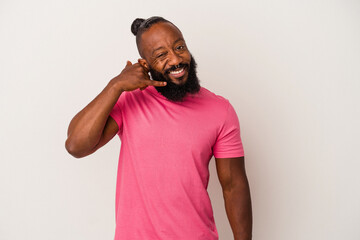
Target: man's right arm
92	127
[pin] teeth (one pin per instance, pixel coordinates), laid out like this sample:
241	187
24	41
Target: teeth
176	72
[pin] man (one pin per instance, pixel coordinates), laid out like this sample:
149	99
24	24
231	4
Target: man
169	127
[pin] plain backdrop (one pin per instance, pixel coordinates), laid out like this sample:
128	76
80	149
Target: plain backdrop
291	69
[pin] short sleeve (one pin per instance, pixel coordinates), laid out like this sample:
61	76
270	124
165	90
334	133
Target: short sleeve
116	114
228	143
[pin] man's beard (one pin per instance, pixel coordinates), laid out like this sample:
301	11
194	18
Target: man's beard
175	92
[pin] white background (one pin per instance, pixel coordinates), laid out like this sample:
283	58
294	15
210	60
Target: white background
291	69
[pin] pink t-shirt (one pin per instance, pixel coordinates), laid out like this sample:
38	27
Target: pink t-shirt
161	191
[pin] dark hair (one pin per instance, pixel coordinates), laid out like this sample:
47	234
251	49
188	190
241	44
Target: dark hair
140	25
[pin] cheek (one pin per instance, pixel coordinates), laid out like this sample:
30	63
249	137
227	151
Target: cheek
187	57
158	65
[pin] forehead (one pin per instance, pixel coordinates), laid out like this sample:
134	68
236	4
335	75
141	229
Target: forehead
162	34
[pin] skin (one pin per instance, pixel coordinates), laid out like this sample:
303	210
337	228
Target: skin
161	47
92	127
236	193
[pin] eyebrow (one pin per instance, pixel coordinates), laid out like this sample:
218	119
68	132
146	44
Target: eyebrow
178	40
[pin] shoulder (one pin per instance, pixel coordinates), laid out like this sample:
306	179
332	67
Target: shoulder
129	97
214	99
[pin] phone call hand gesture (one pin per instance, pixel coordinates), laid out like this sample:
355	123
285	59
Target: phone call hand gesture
135	76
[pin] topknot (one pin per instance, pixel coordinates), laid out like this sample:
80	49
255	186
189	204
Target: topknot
136	25
140	25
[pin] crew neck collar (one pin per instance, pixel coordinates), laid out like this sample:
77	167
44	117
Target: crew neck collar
153	91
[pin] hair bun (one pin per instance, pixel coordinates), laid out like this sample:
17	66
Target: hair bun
136	24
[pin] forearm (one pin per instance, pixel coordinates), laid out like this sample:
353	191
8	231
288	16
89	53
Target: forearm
87	126
238	209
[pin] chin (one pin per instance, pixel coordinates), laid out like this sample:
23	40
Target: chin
180	81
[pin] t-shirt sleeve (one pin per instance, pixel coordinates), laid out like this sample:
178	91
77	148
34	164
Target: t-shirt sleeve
228	143
116	114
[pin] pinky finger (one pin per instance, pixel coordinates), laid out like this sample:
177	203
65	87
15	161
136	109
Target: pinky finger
156	83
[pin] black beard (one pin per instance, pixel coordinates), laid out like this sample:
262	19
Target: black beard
175	92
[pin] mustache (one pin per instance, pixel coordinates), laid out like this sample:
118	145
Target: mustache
173	68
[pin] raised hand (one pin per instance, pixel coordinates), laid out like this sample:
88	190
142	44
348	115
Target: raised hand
134	76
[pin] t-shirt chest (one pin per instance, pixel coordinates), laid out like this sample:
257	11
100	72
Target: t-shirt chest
176	127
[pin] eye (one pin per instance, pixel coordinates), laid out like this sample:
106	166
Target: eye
180	47
160	55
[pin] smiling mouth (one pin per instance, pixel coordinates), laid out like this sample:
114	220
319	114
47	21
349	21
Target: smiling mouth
177	73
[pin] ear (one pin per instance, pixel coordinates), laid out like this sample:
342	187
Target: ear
143	63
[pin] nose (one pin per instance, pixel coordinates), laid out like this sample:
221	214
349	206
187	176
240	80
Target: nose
174	59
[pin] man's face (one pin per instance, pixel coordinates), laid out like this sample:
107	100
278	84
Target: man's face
177	92
166	56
